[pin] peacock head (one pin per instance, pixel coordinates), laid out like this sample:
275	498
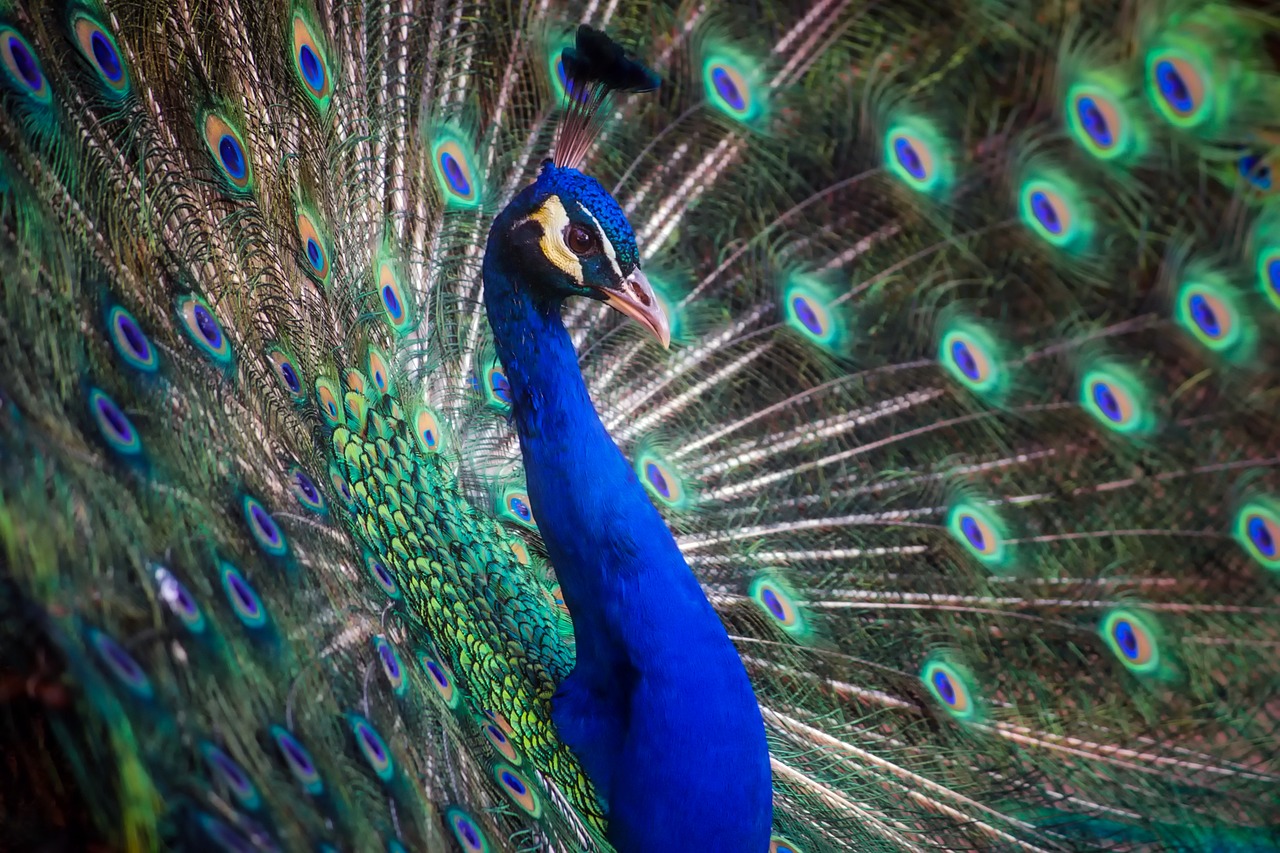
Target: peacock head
569	237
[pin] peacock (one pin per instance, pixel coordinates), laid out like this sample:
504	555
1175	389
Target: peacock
588	425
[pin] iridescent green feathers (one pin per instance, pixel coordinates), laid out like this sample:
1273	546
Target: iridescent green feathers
182	415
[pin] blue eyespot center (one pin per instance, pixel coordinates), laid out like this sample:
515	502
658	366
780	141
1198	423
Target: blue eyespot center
727	89
771	601
1173	88
657	480
296	754
1204	316
946	690
25	62
179	600
1094	122
964	359
314	255
429	437
1255	170
308	488
312	71
104	53
1126	639
228	769
1045	212
182	600
133	337
290	377
521	509
245	597
392	302
115	419
973	532
1106	401
908	158
232	156
389	662
437	673
465	829
373	744
806	315
225	769
1260	536
266	524
454	175
208	326
509	779
501	388
119	660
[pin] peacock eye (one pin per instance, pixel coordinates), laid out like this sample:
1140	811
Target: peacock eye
580	241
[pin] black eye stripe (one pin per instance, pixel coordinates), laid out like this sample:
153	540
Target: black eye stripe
527	231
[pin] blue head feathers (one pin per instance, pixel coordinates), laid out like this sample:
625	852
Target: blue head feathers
562	236
584	198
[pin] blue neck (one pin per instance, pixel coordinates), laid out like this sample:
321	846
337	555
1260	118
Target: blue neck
658	708
585	495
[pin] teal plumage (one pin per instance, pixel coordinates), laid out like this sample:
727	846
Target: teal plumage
966	429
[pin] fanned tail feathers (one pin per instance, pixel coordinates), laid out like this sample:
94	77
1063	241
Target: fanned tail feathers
967	427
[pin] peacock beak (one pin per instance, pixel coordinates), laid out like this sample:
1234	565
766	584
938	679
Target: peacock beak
635	298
